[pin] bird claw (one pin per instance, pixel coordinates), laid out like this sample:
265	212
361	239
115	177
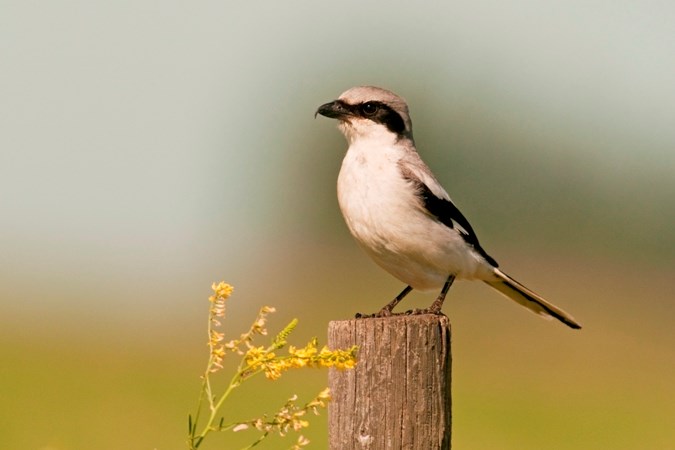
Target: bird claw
419	312
384	312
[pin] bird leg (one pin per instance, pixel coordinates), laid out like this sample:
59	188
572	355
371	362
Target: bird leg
436	306
386	311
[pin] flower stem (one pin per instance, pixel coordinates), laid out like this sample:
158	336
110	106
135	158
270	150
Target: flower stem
234	382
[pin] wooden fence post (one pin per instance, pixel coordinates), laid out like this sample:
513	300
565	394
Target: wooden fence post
398	396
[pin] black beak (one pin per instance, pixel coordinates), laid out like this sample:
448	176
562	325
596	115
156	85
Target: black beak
334	110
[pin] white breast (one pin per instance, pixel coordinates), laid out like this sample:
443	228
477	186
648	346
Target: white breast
389	222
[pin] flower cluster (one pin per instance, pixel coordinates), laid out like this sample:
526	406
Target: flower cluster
218	348
221	292
301	442
254	360
289	417
310	355
266	360
258	327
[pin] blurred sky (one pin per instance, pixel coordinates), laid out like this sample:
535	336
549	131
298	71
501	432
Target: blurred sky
148	148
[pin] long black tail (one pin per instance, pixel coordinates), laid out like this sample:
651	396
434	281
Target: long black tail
529	299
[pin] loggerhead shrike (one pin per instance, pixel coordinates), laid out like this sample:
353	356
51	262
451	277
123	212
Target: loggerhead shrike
401	215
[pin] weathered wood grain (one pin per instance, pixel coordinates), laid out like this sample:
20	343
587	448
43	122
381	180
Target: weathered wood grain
398	397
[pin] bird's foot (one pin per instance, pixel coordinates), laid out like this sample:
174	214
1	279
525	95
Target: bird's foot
430	310
384	312
433	309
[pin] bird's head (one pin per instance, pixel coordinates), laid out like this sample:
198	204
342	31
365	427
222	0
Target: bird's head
369	112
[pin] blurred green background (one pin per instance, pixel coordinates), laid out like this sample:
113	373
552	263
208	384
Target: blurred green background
149	148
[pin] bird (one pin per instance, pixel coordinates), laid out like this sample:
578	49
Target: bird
399	213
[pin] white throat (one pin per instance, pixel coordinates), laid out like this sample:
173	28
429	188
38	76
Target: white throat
366	131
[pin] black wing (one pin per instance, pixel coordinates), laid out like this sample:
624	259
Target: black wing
447	213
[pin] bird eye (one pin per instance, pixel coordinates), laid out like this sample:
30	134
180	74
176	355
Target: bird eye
369	108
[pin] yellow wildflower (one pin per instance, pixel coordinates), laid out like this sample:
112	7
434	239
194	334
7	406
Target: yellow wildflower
222	289
320	401
257	359
301	442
